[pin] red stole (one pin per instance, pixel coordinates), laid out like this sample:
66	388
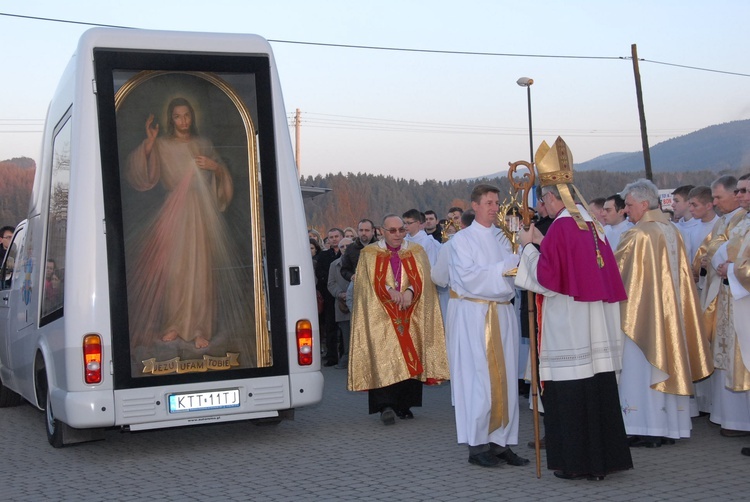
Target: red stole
401	319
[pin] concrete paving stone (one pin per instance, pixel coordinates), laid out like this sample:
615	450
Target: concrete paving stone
335	451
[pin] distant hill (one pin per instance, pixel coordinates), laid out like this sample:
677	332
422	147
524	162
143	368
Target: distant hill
715	148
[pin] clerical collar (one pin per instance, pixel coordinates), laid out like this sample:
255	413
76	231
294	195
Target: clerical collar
391	249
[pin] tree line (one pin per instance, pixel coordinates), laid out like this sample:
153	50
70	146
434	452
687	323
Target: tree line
362	195
16	182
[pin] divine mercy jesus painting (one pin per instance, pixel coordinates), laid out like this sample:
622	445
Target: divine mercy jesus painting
189	197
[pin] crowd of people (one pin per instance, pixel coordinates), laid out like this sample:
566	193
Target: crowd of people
641	316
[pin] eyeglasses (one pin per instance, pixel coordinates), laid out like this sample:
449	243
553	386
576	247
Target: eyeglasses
7	236
410	222
740	190
393	231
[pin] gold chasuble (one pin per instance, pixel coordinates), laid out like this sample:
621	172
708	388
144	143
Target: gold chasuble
389	345
713	241
733	314
662	313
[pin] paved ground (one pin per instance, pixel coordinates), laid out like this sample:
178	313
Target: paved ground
335	451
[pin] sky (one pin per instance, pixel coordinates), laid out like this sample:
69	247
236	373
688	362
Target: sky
430	115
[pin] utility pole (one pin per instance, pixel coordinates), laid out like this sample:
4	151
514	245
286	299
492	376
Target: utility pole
297	136
641	114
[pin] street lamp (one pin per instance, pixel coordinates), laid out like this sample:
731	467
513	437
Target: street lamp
527	82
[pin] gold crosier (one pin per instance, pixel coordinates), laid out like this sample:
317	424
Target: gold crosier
513	213
510	217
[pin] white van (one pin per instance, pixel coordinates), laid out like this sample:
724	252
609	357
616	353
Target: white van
163	275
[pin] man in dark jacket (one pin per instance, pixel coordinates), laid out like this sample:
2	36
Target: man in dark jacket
432	226
329	331
366	235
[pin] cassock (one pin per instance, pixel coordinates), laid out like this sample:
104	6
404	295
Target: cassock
580	346
483	337
393	351
666	348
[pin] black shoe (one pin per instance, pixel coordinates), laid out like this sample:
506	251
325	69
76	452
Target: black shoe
667	441
542	444
731	433
745	451
644	441
570	475
404	415
388	416
512	459
484	459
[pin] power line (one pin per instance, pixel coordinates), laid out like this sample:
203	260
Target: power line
53	20
439	51
695	68
407	49
332	121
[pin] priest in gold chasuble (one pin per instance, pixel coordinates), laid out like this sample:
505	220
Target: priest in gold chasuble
730	383
726	407
397	336
666	346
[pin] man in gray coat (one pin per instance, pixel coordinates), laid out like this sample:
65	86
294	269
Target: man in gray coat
337	286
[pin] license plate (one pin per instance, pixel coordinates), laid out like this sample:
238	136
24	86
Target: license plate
207	400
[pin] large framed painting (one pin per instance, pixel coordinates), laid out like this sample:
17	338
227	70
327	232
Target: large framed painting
191	209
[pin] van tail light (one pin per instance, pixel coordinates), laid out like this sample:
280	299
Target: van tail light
92	358
304	342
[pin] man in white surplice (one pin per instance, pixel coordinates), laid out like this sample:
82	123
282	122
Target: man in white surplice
484	336
414	221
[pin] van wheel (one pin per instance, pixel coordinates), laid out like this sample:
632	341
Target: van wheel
8	398
54	426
